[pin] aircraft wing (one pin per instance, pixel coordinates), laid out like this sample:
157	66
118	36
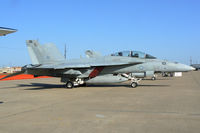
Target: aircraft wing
82	65
62	66
5	31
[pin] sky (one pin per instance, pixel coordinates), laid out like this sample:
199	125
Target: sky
167	29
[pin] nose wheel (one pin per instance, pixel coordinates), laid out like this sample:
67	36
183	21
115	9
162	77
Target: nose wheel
135	82
69	85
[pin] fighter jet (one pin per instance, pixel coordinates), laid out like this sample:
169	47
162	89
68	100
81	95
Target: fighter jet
47	61
4	31
136	54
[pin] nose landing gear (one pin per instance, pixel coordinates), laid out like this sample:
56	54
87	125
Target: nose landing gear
134	80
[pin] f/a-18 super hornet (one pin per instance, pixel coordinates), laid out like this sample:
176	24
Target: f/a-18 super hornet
47	61
141	55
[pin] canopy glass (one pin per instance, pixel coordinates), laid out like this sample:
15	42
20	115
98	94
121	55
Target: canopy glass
136	54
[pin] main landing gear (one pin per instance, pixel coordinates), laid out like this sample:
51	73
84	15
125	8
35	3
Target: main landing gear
69	85
134	84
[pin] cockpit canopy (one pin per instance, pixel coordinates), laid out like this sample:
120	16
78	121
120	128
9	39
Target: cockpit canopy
136	54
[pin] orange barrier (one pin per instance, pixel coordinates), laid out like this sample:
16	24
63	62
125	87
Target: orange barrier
22	76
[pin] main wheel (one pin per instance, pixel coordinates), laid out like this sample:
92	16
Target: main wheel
134	84
153	78
69	84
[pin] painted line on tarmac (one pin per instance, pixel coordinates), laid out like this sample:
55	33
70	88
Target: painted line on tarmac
148	112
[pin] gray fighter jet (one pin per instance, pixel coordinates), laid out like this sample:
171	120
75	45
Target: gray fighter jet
47	61
134	54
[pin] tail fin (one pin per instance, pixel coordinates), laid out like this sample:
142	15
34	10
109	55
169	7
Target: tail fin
43	54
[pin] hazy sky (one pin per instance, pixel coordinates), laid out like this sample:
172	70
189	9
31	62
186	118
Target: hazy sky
167	29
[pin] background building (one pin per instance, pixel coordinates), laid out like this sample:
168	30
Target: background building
10	69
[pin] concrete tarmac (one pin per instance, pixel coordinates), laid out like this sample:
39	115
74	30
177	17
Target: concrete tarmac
167	105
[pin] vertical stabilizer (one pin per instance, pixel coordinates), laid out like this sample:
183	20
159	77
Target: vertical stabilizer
43	54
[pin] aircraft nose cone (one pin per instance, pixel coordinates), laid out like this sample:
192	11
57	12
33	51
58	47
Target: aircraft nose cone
185	68
192	69
189	68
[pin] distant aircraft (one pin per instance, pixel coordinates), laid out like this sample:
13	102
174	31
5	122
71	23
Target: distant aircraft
196	66
47	61
4	31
